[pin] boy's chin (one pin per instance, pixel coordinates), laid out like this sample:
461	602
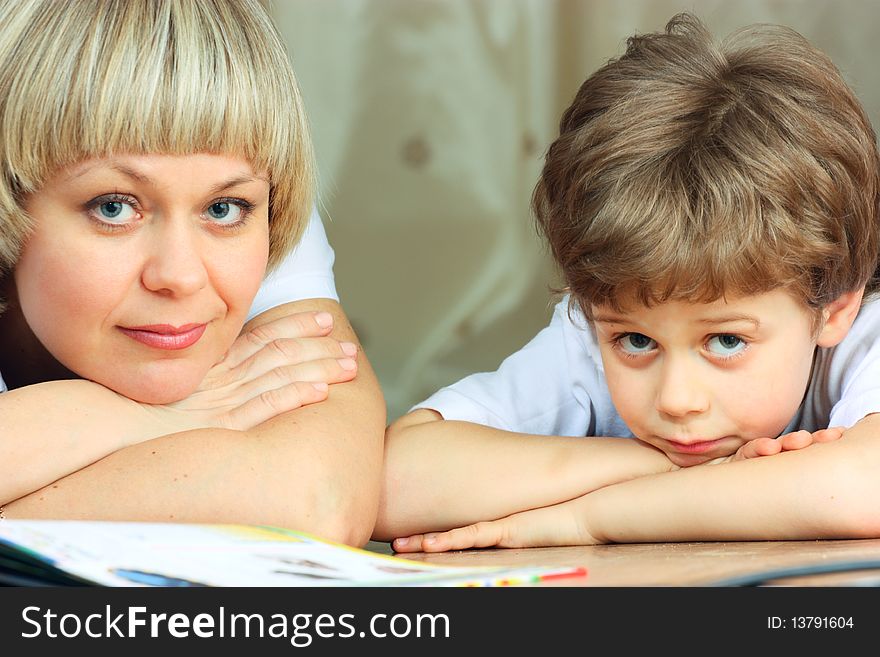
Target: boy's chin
689	460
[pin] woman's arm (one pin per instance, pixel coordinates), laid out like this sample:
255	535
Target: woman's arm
52	429
55	428
441	474
316	468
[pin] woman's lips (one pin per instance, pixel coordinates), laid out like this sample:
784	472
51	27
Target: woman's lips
165	336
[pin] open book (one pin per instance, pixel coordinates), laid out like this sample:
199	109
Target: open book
70	552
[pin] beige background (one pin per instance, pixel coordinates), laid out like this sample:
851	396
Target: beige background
430	119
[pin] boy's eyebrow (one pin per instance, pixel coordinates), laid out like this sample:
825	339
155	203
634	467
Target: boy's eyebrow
727	319
609	319
723	319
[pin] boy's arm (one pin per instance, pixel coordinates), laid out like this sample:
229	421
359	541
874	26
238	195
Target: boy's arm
316	468
441	474
828	490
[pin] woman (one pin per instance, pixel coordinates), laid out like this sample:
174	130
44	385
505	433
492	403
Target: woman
156	164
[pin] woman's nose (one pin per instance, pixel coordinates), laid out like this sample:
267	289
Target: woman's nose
175	264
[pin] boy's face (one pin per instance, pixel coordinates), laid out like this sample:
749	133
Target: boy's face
141	269
698	380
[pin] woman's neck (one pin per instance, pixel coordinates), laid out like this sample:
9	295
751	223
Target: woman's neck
23	359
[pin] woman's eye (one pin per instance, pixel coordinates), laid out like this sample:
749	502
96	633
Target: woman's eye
726	344
115	212
223	212
635	343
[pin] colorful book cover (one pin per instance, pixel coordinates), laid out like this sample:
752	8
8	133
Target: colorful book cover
72	552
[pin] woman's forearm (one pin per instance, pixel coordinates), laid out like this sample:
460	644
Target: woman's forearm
212	475
50	430
315	469
442	474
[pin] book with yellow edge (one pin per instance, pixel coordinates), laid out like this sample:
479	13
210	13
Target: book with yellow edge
102	553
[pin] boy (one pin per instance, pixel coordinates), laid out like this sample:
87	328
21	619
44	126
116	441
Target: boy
714	212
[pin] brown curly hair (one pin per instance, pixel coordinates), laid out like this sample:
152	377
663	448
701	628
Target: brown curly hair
690	170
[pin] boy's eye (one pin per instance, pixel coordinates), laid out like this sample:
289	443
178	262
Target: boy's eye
115	212
227	213
636	343
725	344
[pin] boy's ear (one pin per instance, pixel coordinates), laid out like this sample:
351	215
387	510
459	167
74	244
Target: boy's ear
838	317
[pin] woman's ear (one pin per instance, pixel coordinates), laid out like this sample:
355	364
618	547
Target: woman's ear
838	317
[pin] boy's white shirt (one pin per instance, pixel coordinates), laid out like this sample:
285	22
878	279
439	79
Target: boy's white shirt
555	385
306	273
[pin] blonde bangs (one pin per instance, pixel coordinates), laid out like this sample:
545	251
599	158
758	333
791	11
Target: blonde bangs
90	79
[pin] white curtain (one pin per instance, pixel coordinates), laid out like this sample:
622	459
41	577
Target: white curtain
430	119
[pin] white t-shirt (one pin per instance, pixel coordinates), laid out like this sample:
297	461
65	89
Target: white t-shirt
555	385
306	273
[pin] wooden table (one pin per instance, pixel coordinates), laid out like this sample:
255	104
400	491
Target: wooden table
679	564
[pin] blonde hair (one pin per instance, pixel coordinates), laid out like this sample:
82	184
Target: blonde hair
686	170
91	78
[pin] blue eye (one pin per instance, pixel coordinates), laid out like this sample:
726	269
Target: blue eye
726	344
223	212
115	212
112	212
636	343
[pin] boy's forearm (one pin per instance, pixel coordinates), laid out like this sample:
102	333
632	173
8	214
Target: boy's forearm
442	474
827	490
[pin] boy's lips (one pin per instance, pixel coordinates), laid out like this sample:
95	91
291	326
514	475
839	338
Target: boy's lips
694	446
166	336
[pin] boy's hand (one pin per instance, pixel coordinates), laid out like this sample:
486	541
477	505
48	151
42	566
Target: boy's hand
785	443
274	368
549	526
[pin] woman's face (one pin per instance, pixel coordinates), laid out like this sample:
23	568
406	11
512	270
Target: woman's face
141	268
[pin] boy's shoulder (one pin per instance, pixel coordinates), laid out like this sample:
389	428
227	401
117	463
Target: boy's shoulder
857	355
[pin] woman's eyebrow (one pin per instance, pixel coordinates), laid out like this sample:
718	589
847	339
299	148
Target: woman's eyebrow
145	179
239	180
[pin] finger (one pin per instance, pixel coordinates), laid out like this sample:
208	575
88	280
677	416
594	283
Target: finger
481	534
325	372
274	402
760	447
796	440
328	370
827	435
297	325
408	543
284	352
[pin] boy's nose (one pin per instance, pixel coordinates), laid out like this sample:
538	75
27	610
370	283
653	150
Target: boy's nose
175	264
680	391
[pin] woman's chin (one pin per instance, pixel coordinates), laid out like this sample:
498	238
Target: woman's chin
155	390
157	397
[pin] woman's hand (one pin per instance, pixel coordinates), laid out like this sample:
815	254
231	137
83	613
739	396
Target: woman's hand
269	370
